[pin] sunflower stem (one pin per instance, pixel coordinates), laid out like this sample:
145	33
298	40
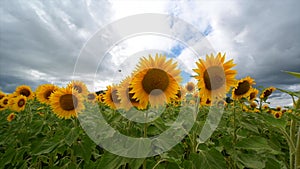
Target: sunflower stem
234	135
297	153
292	139
145	136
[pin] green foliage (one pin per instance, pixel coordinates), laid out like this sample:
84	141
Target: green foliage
36	138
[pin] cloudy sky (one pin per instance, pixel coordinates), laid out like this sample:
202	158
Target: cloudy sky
43	41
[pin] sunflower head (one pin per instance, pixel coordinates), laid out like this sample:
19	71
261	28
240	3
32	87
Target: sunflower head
111	98
180	95
253	94
44	91
277	114
66	102
214	76
18	103
253	105
155	81
2	94
25	91
265	106
10	117
91	97
267	92
5	102
100	98
79	86
243	88
126	98
190	87
278	108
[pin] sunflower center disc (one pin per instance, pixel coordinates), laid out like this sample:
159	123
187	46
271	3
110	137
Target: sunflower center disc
252	95
243	87
47	94
21	103
214	77
68	102
5	101
267	93
114	96
25	92
155	79
190	87
91	96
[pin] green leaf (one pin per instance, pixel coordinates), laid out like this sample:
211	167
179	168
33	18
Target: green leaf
84	148
7	157
211	159
188	164
111	161
296	74
256	143
135	163
278	123
172	165
43	147
291	93
72	136
273	164
251	161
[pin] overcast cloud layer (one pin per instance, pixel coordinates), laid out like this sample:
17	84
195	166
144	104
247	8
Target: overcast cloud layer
40	41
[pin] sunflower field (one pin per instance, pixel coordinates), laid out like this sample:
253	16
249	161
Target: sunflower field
218	122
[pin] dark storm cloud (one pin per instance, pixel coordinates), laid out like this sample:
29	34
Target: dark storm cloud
9	83
270	42
46	36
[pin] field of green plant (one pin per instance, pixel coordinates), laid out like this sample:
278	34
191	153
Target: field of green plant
47	128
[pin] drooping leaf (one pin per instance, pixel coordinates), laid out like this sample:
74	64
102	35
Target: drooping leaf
296	74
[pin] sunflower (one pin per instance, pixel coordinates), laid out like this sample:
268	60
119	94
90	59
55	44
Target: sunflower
4	102
278	108
243	88
265	106
253	105
100	98
66	102
267	92
155	81
277	114
10	117
44	91
92	97
126	97
253	94
2	94
126	100
190	87
111	98
18	103
79	86
25	91
214	76
180	94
